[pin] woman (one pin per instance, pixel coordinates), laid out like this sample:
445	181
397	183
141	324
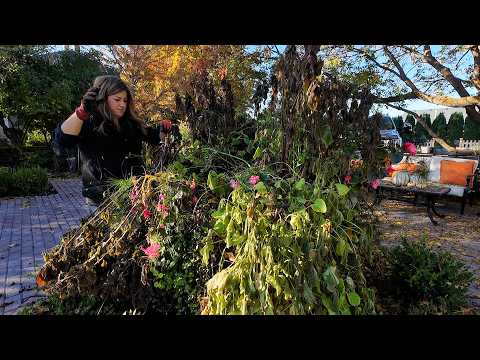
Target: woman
109	135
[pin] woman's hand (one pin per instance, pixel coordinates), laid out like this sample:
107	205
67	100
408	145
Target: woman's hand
166	126
89	100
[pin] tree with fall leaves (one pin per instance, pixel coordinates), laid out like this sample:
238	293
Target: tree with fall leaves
156	73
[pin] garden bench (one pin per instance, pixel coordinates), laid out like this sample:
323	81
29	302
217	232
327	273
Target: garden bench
463	193
410	194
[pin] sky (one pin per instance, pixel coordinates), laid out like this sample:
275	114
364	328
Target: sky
410	105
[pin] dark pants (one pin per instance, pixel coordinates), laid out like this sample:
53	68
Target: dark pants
94	195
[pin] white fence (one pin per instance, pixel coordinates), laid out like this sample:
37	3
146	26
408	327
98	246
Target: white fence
462	144
469	144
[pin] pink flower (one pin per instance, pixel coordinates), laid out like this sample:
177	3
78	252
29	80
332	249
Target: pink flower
146	213
410	148
234	184
162	209
161	197
152	251
375	184
348	179
193	186
194	199
161	226
134	194
254	179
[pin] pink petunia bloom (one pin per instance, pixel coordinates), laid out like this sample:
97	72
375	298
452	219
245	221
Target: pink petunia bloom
234	184
146	213
193	186
134	194
153	251
161	197
375	184
348	179
162	209
254	179
410	148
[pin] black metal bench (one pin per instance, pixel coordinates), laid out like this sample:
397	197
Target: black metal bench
411	194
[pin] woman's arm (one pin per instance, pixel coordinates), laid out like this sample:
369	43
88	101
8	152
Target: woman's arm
154	135
72	126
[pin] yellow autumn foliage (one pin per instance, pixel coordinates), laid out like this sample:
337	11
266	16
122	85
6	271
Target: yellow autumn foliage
156	73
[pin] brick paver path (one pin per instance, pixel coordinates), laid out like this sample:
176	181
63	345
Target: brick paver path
30	226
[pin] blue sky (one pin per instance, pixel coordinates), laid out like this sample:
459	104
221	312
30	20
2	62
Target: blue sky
411	105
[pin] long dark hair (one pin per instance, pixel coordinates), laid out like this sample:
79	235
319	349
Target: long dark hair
109	85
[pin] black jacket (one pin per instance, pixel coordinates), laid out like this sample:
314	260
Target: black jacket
115	154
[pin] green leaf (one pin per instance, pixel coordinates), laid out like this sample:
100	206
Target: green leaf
340	248
327	302
298	200
353	298
218	214
212	180
342	189
220	227
258	154
238	239
260	187
330	278
300	184
326	136
207	248
319	206
296	221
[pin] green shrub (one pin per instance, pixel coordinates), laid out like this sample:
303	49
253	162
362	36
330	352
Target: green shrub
9	155
40	157
78	305
23	182
424	281
35	137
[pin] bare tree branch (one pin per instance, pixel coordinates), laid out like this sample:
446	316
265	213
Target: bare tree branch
401	73
464	101
408	96
445	71
372	59
461	57
476	66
